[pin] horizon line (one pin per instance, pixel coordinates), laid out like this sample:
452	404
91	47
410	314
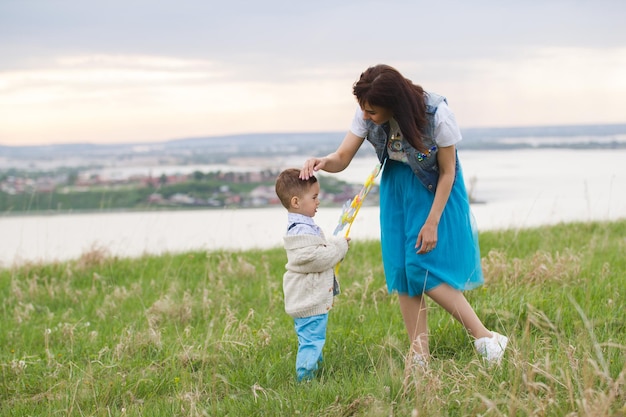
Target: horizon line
231	135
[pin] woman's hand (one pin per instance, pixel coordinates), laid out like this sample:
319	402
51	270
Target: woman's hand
427	238
311	166
333	162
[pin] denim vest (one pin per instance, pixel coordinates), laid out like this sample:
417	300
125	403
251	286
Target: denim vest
425	167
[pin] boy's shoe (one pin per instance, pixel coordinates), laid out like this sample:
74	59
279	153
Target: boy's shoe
492	348
303	375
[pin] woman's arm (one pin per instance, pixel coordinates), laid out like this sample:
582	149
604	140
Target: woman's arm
427	238
336	161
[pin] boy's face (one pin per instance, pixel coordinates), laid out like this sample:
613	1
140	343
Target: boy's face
307	203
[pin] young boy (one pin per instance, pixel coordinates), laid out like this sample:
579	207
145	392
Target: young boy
309	281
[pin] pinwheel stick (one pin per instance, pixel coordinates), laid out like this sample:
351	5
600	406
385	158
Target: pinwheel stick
351	207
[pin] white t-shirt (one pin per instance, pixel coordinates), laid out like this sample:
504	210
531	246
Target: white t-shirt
447	131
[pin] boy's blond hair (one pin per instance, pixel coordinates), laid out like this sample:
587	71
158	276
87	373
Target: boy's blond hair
289	184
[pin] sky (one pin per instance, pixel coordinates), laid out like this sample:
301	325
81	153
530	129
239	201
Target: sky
132	71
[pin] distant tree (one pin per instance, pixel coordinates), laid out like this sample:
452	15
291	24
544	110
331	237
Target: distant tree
163	179
198	176
72	177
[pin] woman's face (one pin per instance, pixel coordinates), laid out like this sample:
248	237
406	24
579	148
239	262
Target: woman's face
376	114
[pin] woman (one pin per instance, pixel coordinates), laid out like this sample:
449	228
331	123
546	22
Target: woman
428	236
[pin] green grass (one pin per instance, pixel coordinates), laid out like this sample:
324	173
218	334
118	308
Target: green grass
205	334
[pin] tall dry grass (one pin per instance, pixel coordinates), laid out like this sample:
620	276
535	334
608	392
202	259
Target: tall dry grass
205	334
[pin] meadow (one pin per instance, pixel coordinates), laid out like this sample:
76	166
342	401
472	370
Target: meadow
205	334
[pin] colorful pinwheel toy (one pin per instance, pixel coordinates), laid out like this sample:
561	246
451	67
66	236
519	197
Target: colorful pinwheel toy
351	207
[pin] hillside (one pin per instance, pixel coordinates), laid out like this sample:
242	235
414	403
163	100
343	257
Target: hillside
202	333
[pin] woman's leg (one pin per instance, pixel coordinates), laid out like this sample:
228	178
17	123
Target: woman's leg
455	303
414	314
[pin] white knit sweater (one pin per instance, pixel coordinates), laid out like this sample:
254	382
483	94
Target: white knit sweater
308	281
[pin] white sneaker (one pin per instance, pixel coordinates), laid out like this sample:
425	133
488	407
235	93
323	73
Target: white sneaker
415	365
420	360
492	348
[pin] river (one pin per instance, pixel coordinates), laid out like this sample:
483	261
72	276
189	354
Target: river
516	188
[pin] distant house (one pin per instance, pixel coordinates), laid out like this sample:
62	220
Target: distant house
45	185
156	198
233	200
185	199
263	195
177	179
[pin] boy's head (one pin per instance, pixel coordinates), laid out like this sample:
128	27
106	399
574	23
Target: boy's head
297	195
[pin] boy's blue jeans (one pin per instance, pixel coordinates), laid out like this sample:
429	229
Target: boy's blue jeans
311	333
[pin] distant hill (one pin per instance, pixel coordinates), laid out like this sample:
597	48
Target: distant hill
571	136
212	149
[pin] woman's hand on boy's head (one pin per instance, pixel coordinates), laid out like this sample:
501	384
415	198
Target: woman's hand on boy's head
311	166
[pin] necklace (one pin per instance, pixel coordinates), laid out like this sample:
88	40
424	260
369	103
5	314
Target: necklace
395	142
421	155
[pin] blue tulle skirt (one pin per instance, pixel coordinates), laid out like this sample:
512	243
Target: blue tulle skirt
404	206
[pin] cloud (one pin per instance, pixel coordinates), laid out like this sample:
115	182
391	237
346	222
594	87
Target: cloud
135	98
133	71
